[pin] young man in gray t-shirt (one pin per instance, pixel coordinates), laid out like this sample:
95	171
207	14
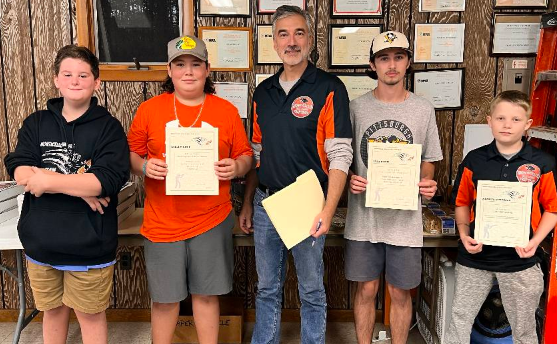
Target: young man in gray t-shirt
387	240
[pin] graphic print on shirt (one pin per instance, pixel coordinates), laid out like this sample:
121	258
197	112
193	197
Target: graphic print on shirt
62	157
385	131
528	173
302	106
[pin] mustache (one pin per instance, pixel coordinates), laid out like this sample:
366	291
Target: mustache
293	48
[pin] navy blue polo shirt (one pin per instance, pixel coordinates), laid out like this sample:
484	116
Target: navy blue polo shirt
486	163
292	128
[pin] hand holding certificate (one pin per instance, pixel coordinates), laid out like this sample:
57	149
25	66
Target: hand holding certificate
190	155
503	212
393	174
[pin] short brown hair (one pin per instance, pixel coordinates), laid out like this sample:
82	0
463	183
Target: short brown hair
76	52
514	97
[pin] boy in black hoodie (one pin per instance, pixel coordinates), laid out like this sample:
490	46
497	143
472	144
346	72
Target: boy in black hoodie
73	159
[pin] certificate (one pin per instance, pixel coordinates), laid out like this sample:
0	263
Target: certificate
520	3
236	93
265	47
443	88
261	77
356	8
516	34
356	84
235	8
393	175
270	6
442	5
439	43
191	154
229	48
503	213
349	44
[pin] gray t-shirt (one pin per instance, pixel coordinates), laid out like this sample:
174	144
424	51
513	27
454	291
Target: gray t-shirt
411	121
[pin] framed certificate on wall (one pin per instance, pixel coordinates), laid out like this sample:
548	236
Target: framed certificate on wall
233	8
266	53
229	48
356	8
357	84
444	88
439	43
270	6
349	44
515	34
520	3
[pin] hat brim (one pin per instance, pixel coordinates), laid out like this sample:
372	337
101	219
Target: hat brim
405	49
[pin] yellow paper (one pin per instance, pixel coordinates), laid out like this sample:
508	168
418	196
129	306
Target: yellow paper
293	209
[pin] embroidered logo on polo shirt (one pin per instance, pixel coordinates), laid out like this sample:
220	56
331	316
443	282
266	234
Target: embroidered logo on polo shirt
302	106
528	173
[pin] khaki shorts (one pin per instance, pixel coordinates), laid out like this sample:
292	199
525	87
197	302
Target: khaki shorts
84	291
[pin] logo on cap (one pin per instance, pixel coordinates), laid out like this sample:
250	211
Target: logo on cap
390	37
185	43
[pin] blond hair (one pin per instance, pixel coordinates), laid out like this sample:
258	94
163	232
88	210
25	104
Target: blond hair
514	97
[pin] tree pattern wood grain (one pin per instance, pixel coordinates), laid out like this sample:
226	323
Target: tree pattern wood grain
131	290
51	31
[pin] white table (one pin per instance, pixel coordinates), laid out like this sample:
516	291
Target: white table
9	240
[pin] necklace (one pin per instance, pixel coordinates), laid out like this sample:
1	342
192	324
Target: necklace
198	115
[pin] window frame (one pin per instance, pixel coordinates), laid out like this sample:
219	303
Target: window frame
124	72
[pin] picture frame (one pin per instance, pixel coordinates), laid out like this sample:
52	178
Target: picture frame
359	9
357	84
349	44
230	48
270	6
515	34
510	4
265	51
236	93
239	8
429	6
439	43
444	88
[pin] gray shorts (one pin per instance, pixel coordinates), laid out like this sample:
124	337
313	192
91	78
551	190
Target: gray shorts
365	261
201	265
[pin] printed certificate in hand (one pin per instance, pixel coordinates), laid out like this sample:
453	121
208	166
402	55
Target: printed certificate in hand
503	212
191	154
393	175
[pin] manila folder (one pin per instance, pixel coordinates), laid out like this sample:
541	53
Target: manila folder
293	209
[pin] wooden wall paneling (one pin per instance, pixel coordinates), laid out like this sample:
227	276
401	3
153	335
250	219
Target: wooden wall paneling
499	79
51	31
251	278
480	74
17	64
240	272
417	17
321	21
399	16
73	17
291	298
336	285
230	76
369	21
3	129
444	118
101	94
10	288
131	290
153	89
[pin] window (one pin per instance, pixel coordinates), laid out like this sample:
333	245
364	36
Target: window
119	31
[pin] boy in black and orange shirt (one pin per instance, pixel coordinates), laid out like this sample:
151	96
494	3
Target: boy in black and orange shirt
507	158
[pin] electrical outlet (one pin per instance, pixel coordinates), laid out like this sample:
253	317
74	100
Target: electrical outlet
125	261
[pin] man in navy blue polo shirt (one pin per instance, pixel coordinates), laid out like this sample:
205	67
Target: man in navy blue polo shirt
300	121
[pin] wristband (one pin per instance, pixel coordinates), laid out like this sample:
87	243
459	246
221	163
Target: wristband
144	168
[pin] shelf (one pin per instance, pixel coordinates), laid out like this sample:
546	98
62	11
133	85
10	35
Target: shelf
547	75
543	133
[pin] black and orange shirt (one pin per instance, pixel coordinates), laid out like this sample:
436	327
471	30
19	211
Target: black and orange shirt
486	163
292	129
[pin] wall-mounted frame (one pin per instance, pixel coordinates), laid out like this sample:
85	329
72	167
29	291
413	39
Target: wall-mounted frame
502	4
442	5
260	77
85	19
236	93
270	6
231	8
439	43
444	88
515	34
357	84
266	53
349	44
357	9
230	48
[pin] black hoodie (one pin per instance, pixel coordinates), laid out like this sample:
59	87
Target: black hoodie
58	229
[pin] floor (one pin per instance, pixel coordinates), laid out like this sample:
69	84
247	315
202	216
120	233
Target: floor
139	333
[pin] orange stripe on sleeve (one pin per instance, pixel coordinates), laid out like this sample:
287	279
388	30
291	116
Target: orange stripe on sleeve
548	192
256	134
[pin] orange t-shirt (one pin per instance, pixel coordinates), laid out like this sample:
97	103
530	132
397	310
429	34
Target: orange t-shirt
174	218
